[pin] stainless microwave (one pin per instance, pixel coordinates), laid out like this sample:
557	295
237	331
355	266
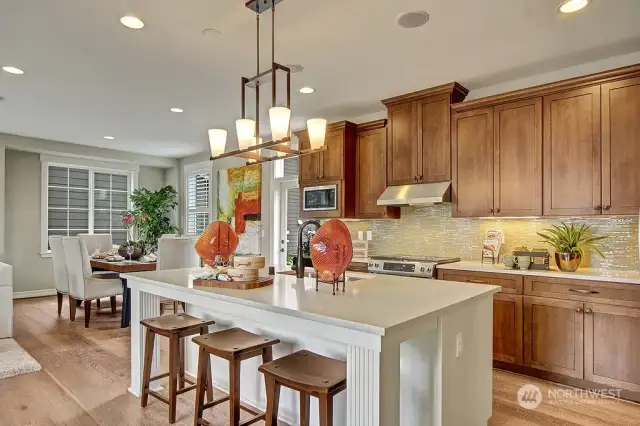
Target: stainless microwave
320	198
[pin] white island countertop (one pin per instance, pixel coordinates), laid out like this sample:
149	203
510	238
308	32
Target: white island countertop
372	303
625	277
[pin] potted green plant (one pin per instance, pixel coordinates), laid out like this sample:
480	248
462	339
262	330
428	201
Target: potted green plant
570	243
150	209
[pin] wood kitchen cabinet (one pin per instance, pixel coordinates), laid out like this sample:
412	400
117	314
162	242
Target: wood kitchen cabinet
338	157
497	160
472	167
621	147
567	148
333	166
371	180
418	146
572	152
612	345
554	335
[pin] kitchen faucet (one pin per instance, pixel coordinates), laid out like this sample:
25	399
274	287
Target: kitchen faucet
300	264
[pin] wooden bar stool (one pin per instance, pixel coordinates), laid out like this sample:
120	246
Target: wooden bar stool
234	345
311	375
175	328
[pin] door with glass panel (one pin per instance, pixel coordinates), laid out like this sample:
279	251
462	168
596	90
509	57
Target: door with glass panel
289	221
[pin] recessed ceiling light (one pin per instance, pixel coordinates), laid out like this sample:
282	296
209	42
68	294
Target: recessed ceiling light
13	70
306	90
132	22
109	138
570	6
176	110
413	19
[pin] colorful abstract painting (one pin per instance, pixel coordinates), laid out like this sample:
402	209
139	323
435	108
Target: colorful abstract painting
239	202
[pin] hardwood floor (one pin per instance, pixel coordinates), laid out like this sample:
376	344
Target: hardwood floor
85	378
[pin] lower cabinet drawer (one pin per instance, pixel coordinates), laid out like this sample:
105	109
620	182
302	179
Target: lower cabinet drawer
583	290
509	283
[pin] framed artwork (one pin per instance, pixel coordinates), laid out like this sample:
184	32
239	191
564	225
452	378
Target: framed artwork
239	196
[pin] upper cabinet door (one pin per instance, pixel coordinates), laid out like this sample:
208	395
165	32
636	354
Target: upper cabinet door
402	159
332	159
621	147
309	164
518	158
434	146
472	165
571	153
371	181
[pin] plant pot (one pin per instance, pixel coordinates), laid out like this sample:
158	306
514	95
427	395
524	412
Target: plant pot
568	262
137	253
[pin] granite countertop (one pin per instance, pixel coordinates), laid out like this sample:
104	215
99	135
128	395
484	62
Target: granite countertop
625	277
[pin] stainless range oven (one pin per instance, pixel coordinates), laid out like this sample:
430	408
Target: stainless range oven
410	266
320	198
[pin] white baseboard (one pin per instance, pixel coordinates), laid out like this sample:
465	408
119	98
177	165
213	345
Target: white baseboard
34	293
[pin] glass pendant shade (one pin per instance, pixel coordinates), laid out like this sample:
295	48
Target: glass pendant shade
246	130
279	118
217	141
317	128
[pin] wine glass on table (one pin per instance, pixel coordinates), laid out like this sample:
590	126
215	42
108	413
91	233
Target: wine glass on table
130	249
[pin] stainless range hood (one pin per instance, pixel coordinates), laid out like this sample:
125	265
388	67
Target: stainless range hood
416	194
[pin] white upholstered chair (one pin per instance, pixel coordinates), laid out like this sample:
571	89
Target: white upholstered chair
93	242
176	253
104	242
60	277
83	283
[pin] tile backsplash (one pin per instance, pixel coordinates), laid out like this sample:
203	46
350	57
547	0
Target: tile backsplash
432	231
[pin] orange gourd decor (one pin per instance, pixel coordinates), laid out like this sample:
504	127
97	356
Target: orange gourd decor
331	250
218	239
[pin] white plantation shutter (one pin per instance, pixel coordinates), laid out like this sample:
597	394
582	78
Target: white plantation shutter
198	212
67	201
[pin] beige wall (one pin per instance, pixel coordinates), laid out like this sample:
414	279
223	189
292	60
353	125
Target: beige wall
151	178
30	271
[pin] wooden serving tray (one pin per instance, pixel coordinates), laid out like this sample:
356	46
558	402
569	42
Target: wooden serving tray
236	285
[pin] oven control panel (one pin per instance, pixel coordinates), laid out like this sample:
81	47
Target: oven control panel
406	268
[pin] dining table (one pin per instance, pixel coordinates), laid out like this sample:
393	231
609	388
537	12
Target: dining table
123	266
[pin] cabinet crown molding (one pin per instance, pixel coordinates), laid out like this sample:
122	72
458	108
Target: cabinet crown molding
548	88
372	125
456	90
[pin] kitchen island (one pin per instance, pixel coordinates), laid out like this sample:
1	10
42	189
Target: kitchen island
418	351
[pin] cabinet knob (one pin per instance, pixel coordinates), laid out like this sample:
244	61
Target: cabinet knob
598	207
579	310
497	211
588	311
420	177
607	207
490	210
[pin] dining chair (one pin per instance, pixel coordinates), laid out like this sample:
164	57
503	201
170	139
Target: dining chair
83	283
176	253
102	242
60	277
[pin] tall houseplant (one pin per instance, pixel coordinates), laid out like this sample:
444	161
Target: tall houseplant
150	209
570	242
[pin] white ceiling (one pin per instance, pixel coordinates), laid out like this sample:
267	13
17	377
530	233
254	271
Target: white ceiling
87	76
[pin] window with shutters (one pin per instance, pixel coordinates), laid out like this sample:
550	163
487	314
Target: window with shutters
82	200
198	207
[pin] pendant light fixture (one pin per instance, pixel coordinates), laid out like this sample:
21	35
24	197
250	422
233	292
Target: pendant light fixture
248	130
